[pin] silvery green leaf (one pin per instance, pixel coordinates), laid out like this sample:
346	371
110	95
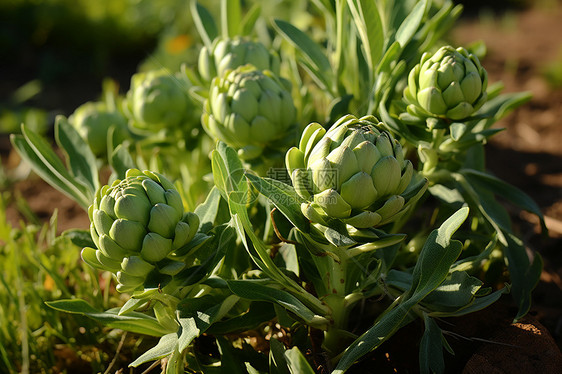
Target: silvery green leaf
120	161
284	197
448	195
277	360
369	26
457	130
478	303
80	238
138	323
411	23
257	290
230	18
456	291
316	60
165	347
511	193
431	348
204	22
436	257
257	313
297	362
44	161
524	273
81	160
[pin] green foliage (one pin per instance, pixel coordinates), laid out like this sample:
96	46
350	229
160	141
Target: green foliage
283	253
39	267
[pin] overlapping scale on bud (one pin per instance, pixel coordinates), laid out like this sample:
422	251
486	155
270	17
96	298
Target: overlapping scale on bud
249	109
230	53
136	224
354	172
159	100
92	120
449	84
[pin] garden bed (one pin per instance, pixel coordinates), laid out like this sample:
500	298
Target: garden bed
528	154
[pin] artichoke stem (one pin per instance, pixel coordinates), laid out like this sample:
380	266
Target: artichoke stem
438	135
336	337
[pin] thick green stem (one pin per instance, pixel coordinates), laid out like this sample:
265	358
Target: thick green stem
336	337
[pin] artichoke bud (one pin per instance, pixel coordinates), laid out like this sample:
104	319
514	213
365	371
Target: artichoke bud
386	175
163	219
313	213
158	100
107	263
248	107
321	150
294	159
359	182
128	282
312	133
136	223
93	120
133	208
228	54
94	235
332	203
367	155
302	182
154	191
128	234
155	247
450	84
173	199
182	235
364	220
88	254
135	265
111	249
355	172
102	222
107	204
391	207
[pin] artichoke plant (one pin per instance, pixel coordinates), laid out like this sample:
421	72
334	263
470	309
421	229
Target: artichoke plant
228	54
93	120
158	100
355	172
449	84
249	109
137	224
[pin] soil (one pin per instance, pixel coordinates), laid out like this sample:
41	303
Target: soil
528	154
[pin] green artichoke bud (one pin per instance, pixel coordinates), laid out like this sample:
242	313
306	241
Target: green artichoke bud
158	100
92	120
249	110
228	54
450	84
354	172
136	223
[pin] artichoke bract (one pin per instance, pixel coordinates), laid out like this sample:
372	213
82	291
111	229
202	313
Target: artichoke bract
228	54
158	100
449	84
248	109
136	224
92	120
354	172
